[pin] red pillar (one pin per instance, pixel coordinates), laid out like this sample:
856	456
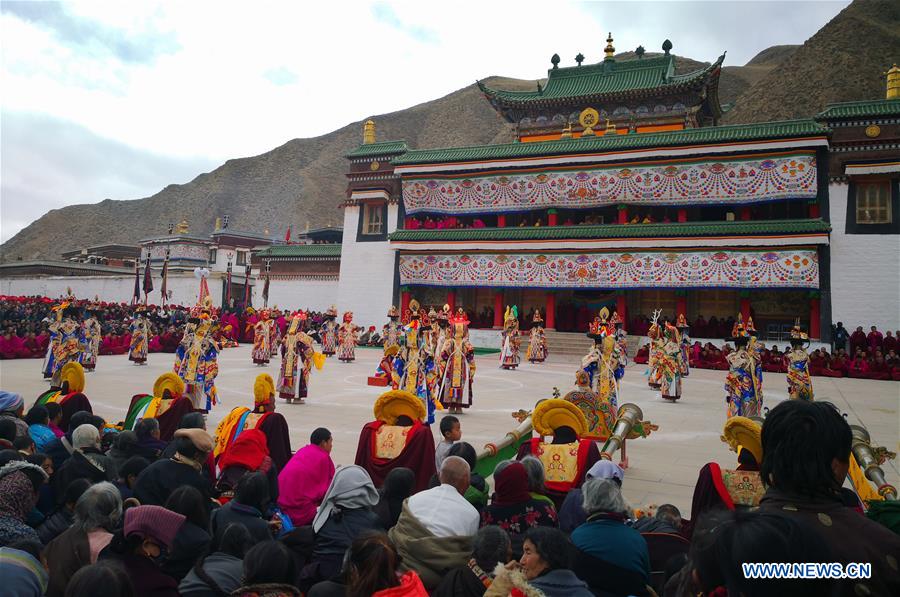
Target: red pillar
498	309
552	217
550	312
404	302
814	209
745	309
745	213
682	215
681	306
815	327
451	300
501	221
623	214
621	310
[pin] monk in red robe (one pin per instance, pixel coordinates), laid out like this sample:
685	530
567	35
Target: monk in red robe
878	369
859	366
397	438
643	355
857	340
874	340
568	457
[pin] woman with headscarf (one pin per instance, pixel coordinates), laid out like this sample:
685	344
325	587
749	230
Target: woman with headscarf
399	484
513	508
346	511
20	482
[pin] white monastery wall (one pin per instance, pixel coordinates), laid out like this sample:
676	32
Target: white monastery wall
865	272
184	289
367	272
308	294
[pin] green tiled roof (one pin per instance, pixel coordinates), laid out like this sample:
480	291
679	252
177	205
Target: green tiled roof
322	250
607	78
656	230
599	144
380	148
861	109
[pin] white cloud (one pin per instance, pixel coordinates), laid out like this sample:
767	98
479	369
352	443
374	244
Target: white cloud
214	80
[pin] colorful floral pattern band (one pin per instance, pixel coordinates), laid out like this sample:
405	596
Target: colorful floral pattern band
736	181
789	268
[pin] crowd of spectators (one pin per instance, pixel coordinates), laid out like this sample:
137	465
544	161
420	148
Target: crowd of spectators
103	512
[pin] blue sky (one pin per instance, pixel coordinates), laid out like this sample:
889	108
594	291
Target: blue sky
118	99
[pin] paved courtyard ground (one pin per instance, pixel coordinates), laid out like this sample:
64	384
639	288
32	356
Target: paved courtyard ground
663	468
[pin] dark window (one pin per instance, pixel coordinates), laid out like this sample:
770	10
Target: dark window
873	205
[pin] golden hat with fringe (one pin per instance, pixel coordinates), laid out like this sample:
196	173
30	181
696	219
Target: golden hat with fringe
73	373
168	381
396	403
554	413
263	388
744	433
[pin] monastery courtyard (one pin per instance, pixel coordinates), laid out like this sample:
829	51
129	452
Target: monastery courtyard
662	468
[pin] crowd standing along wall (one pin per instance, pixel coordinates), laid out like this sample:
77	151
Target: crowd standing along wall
865	269
368	269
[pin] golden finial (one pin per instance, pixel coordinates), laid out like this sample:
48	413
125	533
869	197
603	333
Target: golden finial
182	227
218	224
893	82
567	131
610	51
369	132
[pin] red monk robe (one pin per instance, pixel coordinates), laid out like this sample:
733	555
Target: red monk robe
397	438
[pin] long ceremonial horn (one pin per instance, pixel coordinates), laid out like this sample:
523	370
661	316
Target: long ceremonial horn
628	416
869	458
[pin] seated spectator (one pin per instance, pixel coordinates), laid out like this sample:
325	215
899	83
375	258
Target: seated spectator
477	493
535	471
666	520
251	502
46	503
805	459
160	479
128	474
193	537
54	412
7	434
248	453
97	514
148	443
86	462
20	483
727	539
612	556
345	513
572	514
544	566
21	570
38	420
491	548
398	485
269	571
113	579
512	507
219	572
123	448
12	408
148	531
435	529
64	516
313	466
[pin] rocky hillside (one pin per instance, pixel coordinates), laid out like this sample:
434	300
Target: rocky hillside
303	180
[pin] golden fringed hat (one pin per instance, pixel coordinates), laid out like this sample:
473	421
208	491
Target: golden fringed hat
392	312
396	403
73	374
741	432
554	413
682	321
263	388
168	381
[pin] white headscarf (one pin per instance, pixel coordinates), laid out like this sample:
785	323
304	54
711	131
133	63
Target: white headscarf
350	488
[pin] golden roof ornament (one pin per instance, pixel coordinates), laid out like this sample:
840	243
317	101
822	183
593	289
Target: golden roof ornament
218	224
182	227
588	118
567	131
893	82
609	50
369	132
610	127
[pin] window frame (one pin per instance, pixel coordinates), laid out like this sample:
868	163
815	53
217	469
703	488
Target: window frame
853	226
884	194
362	230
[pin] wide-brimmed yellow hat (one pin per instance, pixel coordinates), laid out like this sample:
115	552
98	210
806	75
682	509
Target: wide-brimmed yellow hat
73	373
741	432
263	388
396	403
554	413
168	381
